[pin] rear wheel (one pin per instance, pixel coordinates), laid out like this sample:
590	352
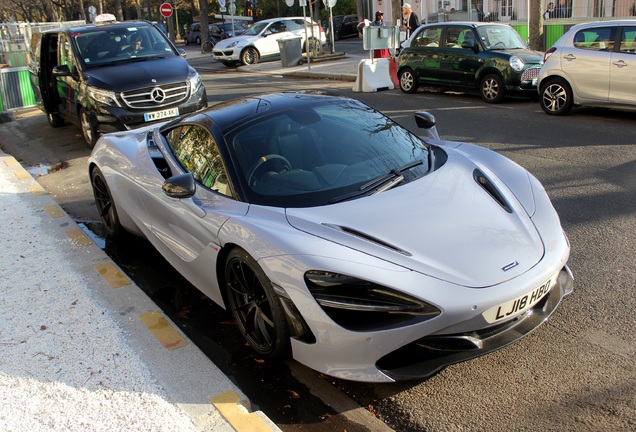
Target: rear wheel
55	120
88	129
105	204
256	308
249	56
492	88
408	83
207	47
556	97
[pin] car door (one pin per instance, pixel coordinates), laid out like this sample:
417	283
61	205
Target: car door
587	62
67	85
458	66
185	230
423	55
623	68
349	26
267	44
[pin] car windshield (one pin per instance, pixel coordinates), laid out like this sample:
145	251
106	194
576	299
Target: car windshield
499	37
107	46
324	153
256	29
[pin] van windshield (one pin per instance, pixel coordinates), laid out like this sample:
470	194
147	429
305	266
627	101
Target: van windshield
105	46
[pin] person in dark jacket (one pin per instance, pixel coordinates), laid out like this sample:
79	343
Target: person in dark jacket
411	21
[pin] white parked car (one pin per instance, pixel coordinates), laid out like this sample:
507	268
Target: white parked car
261	40
593	64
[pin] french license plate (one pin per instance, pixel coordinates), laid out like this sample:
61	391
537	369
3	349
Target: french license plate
517	306
158	115
534	81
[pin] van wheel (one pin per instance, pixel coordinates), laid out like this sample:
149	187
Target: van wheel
492	88
249	56
88	130
55	120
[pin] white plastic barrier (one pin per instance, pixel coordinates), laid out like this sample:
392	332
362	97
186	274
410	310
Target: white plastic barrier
373	75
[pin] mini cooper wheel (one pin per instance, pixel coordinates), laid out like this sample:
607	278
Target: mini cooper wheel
556	97
408	83
492	88
256	308
105	204
88	130
249	56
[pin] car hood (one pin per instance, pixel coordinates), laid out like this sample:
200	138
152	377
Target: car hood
527	55
444	225
131	75
242	40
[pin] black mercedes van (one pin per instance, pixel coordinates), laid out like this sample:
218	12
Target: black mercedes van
112	77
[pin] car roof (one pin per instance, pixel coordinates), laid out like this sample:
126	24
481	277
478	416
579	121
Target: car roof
467	23
94	27
280	18
601	23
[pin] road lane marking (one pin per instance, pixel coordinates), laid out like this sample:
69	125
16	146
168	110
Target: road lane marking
22	175
228	405
162	330
36	190
114	277
54	211
78	237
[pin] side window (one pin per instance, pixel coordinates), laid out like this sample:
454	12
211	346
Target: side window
452	37
293	25
628	40
65	52
197	152
428	37
596	39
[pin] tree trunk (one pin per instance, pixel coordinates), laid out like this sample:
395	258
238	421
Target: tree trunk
535	27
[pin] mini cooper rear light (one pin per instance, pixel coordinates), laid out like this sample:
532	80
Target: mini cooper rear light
361	305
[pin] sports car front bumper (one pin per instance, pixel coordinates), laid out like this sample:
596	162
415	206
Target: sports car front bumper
425	356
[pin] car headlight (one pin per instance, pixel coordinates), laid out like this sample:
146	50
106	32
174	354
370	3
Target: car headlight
194	79
516	63
233	44
103	97
361	305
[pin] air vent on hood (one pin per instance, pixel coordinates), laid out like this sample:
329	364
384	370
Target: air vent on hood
485	183
368	238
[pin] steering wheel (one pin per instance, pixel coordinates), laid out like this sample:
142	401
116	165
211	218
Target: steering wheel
503	45
267	159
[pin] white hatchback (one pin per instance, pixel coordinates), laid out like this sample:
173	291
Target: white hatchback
261	40
593	64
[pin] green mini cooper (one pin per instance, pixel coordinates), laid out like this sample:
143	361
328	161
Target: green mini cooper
488	58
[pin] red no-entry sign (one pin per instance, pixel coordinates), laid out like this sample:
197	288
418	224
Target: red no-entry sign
165	9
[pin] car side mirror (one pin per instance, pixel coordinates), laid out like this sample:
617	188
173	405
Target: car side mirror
180	186
470	44
61	71
425	120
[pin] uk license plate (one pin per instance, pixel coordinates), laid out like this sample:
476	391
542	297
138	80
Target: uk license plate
515	307
158	115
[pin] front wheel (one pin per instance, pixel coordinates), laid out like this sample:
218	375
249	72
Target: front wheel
88	129
249	56
105	204
255	306
492	89
556	97
408	82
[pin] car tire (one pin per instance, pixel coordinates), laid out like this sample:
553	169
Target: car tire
336	36
198	40
556	97
186	41
105	204
249	56
229	63
88	129
55	120
491	88
255	306
408	82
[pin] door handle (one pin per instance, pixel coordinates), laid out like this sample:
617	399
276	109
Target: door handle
620	63
570	57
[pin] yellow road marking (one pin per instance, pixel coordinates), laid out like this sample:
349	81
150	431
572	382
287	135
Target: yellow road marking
114	277
22	175
36	190
11	163
239	418
162	330
78	237
54	211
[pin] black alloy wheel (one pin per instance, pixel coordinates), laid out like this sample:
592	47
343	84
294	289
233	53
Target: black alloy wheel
105	204
255	306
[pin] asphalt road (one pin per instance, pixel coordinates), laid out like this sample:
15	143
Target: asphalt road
577	371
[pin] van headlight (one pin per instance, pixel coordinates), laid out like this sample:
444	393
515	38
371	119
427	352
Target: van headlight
103	97
194	79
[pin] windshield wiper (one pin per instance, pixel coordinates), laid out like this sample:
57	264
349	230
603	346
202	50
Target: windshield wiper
381	183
